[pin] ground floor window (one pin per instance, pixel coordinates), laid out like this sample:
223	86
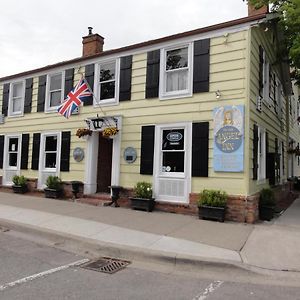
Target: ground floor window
261	172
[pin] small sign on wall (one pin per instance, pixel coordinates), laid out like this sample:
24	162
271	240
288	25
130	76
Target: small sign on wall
229	138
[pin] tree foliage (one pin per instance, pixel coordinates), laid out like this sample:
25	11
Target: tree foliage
290	21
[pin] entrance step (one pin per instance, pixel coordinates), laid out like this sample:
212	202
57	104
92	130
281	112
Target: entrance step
99	199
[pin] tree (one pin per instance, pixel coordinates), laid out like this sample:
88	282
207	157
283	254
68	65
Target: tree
289	11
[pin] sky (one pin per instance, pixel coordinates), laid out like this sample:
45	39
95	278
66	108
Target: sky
36	33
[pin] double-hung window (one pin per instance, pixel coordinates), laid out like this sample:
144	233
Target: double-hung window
55	91
16	99
176	72
50	155
107	82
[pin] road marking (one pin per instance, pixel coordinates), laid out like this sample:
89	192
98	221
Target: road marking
209	290
42	274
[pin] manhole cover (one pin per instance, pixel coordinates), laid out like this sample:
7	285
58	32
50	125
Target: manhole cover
106	265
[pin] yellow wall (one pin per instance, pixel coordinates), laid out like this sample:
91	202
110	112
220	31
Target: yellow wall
228	73
268	119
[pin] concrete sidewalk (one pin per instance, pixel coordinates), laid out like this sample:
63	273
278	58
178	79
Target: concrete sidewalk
160	234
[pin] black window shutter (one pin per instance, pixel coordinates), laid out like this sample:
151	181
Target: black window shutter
5	99
89	77
69	81
35	151
28	95
200	149
65	151
255	151
147	150
268	166
282	149
125	78
1	150
41	93
261	71
152	78
24	152
276	145
201	66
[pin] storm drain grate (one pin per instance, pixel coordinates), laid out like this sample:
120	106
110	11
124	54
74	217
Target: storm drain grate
106	265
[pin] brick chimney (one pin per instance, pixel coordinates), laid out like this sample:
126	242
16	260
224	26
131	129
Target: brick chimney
252	11
92	43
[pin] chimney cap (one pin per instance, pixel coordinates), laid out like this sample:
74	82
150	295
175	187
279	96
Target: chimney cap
90	30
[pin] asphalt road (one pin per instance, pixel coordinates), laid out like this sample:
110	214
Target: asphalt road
30	270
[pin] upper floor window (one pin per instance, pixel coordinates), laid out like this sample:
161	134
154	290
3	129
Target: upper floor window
55	91
176	79
16	101
107	82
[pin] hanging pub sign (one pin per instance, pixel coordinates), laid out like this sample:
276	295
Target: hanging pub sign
229	138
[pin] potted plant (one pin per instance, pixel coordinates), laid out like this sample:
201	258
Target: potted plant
143	197
266	204
19	184
54	187
212	205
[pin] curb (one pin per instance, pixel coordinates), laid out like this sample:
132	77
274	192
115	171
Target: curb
93	249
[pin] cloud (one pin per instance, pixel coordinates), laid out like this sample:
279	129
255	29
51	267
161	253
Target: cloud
39	33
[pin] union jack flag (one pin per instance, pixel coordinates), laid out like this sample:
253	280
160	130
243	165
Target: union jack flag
75	97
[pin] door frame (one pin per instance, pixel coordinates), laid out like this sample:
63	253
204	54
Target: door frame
5	160
92	147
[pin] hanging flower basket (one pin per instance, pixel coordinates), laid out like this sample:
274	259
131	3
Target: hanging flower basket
83	132
110	132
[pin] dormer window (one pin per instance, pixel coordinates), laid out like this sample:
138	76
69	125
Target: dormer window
16	99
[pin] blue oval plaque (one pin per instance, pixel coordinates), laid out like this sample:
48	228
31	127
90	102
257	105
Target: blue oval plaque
228	139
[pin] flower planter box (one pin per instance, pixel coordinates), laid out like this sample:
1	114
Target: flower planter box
142	204
51	193
266	213
20	189
211	213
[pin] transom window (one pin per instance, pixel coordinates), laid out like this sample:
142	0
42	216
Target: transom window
50	158
173	151
176	72
13	147
16	99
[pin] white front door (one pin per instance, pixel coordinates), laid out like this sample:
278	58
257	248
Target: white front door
172	166
12	158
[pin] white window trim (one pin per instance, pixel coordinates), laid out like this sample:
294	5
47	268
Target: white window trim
55	171
48	108
163	95
10	104
107	102
261	170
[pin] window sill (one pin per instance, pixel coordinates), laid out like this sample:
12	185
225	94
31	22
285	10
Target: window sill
261	181
175	96
18	115
106	103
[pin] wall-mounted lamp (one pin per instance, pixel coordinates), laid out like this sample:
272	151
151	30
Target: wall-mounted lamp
218	94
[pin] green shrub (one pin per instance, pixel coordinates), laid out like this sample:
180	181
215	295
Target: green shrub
213	198
19	180
267	197
143	190
54	182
